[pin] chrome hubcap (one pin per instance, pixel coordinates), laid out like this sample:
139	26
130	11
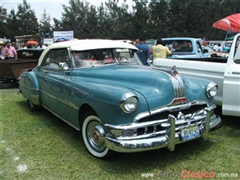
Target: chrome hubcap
95	135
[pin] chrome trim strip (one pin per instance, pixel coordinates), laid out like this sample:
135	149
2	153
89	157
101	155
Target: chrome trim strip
66	102
170	107
181	86
176	80
70	104
140	116
163	122
207	125
216	124
134	125
29	88
177	85
171	132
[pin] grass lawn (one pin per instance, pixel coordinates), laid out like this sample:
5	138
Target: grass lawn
40	146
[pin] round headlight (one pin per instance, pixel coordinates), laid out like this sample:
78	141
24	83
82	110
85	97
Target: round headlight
211	90
129	103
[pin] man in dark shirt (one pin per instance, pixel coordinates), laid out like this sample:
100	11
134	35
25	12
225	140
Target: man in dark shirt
143	51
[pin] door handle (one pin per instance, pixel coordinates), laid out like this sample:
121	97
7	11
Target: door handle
45	71
238	73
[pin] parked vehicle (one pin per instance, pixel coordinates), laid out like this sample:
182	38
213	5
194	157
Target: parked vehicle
215	54
11	69
226	46
101	88
225	73
185	47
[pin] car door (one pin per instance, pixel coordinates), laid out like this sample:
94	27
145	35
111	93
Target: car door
231	84
53	81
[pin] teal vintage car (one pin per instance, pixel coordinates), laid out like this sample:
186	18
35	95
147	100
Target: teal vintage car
100	88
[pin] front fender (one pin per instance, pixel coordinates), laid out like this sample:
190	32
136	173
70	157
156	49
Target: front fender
195	89
105	100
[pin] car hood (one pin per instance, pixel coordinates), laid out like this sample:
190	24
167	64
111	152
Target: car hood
155	85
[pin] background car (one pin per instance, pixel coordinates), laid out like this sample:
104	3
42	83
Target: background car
226	45
216	54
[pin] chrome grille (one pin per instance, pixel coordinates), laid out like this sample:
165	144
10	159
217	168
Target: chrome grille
162	127
156	125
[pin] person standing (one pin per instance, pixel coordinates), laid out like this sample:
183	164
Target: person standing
143	51
219	48
12	51
41	46
4	51
23	46
160	51
215	47
14	45
137	41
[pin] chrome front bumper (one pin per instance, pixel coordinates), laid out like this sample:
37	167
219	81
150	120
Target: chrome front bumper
167	138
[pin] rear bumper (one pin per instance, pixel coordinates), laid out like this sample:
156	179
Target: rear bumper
168	139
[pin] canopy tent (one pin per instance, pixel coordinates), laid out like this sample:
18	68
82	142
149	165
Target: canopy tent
32	42
229	24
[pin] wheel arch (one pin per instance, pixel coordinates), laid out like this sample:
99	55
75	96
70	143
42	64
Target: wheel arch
82	112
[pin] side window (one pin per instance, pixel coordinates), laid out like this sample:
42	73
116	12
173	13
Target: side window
237	52
187	46
54	57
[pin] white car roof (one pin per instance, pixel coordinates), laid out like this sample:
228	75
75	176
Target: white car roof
81	45
88	44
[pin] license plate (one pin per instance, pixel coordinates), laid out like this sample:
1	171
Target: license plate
190	132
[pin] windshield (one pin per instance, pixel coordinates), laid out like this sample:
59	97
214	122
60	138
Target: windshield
99	57
179	45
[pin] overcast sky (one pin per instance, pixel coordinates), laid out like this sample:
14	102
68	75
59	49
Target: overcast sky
52	7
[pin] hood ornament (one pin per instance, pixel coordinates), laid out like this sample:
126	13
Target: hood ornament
174	70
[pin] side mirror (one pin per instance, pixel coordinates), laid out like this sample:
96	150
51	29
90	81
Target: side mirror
63	66
150	62
205	51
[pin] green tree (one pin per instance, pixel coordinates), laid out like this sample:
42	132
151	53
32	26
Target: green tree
151	19
3	22
178	18
103	26
12	25
57	25
45	22
92	23
141	18
159	23
118	20
75	18
27	22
